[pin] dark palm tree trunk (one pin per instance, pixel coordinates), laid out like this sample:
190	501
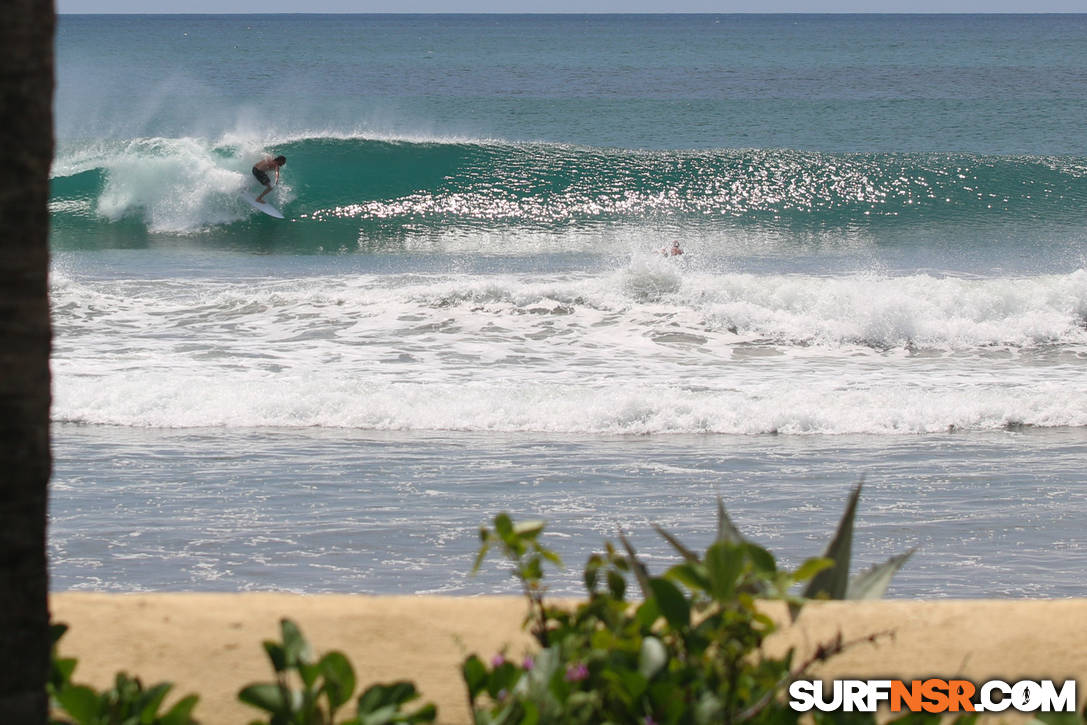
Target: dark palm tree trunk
26	150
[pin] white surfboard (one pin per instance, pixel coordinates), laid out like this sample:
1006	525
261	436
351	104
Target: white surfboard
261	205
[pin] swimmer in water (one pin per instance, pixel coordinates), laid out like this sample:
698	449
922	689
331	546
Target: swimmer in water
673	251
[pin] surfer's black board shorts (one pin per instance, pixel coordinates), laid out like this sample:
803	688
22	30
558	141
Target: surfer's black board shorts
261	176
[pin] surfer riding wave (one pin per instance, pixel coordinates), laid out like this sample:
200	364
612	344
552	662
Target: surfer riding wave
261	169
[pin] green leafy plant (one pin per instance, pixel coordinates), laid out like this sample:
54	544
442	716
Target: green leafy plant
520	545
689	652
126	703
326	685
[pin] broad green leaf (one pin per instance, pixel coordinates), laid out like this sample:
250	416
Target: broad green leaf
811	567
378	716
691	574
475	676
673	605
761	558
181	712
309	674
57	630
532	714
64	667
339	678
617	585
295	646
872	583
426	713
81	702
503	677
647	613
373	698
379	695
724	562
276	654
265	696
124	685
151	700
402	691
503	526
532	570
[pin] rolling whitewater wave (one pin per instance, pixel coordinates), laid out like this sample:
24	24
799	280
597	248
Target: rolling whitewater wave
650	348
346	190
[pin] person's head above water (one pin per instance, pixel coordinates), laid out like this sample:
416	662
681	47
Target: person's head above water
281	160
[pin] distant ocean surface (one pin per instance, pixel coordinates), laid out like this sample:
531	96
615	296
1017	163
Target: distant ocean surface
884	226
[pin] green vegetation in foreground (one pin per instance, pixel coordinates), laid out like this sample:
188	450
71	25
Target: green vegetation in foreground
689	652
126	703
327	685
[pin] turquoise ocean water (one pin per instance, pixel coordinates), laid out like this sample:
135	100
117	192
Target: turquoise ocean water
465	310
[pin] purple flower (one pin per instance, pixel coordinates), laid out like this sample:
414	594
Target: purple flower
649	720
577	673
498	660
527	663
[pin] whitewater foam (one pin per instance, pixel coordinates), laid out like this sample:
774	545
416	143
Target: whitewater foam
649	348
173	185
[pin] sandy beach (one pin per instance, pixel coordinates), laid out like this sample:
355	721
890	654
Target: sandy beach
211	643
